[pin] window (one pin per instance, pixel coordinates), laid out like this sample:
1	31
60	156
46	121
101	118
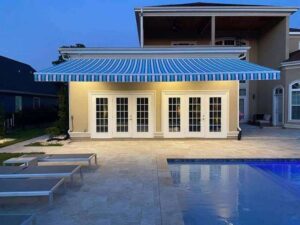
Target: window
229	42
18	103
278	91
299	45
36	103
142	115
242	108
101	115
243	92
233	42
215	114
294	108
174	115
183	43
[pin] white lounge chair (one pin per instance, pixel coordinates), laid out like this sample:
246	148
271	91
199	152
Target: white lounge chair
17	219
60	171
20	187
85	157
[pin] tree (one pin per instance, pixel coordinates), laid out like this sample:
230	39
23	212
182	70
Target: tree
62	124
61	58
2	120
63	115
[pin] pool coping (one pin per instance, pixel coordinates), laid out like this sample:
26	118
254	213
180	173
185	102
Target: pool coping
231	160
171	213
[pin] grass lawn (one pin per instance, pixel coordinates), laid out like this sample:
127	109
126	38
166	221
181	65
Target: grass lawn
4	156
22	135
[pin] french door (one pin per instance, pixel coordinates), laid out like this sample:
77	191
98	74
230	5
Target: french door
278	106
121	116
195	115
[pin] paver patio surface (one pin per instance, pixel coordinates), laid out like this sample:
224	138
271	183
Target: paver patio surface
132	184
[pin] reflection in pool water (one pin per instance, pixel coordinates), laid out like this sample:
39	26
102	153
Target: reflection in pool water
238	194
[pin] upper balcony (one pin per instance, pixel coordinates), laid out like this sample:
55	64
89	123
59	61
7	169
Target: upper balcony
203	23
206	24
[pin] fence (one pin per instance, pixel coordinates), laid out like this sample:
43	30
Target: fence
29	118
9	122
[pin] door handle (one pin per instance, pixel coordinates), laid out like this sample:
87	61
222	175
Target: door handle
203	117
130	117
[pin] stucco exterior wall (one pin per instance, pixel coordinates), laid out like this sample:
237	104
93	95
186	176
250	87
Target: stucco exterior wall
289	75
79	98
272	50
294	43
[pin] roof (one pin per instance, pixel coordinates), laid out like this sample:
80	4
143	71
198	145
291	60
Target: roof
166	69
17	76
202	4
294	29
294	56
217	8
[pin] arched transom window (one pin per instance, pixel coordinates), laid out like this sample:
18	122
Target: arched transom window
278	91
295	101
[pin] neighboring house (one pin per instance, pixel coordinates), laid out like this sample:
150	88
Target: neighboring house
190	78
19	92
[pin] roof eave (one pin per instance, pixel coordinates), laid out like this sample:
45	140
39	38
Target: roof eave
290	63
152	51
219	9
294	33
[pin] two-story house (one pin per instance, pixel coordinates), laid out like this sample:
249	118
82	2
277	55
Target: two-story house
200	69
19	92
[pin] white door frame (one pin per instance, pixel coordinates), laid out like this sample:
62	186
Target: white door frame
205	109
274	119
112	95
246	101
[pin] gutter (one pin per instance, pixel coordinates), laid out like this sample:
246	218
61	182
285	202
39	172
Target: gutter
290	63
152	51
294	33
243	9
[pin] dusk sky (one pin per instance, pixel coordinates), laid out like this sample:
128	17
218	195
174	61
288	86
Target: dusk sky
31	31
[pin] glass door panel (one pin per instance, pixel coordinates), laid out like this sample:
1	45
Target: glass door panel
194	114
122	115
102	115
242	109
215	114
142	115
174	119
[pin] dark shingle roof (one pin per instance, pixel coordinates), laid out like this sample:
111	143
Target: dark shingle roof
294	56
18	76
294	29
199	4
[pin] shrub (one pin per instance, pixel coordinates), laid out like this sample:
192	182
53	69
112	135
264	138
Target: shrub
63	116
53	131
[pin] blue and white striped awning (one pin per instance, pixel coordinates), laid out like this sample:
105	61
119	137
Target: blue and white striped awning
155	70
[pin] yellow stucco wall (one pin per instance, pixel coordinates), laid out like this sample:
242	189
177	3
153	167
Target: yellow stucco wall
79	98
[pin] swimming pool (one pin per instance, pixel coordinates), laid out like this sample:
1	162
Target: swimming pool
220	192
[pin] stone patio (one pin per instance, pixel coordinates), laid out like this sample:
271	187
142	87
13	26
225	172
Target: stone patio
132	184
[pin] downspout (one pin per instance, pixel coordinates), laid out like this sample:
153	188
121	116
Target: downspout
141	29
69	102
239	129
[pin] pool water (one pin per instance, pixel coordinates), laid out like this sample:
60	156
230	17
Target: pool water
238	193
